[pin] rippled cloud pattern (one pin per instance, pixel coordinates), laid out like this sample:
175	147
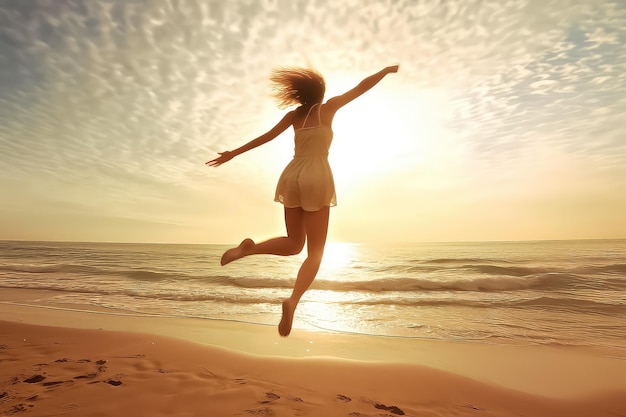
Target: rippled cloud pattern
109	108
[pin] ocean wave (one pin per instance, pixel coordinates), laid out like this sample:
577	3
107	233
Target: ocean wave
614	268
485	267
571	304
540	303
255	282
563	302
515	271
474	273
483	284
479	268
522	280
86	270
144	275
50	268
458	261
160	296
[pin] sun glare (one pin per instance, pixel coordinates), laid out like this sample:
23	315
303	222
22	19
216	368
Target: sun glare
337	255
321	307
383	134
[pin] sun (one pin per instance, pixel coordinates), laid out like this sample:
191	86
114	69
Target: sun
381	133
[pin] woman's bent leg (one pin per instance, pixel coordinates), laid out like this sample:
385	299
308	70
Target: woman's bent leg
291	244
316	228
286	245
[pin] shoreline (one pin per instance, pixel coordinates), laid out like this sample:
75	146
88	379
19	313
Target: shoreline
511	366
41	299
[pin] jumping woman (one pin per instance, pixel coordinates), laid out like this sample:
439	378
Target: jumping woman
306	187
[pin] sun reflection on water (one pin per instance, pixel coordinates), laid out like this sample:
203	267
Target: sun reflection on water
338	255
322	308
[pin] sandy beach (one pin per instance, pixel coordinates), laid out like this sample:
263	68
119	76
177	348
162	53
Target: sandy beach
88	363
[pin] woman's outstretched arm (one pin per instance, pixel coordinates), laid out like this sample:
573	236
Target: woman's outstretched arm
369	82
280	127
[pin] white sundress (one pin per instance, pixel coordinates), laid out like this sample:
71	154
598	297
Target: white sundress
307	181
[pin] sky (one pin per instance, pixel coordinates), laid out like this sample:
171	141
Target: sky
506	121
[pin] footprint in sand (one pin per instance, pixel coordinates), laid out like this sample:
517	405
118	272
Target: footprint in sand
53	383
19	408
86	376
265	411
343	398
34	379
101	365
391	408
114	382
270	397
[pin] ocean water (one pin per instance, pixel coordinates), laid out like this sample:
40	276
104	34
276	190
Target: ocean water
570	293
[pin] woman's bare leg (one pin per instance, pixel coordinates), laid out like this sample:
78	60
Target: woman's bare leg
286	245
316	228
291	244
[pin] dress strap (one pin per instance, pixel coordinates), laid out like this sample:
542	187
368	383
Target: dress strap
309	113
319	115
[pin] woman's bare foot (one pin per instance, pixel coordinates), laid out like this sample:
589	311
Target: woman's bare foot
284	327
244	248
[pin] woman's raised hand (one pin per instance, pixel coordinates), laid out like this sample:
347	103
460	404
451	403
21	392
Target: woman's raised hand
393	68
224	157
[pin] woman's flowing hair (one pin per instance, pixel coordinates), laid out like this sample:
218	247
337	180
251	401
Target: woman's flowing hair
301	86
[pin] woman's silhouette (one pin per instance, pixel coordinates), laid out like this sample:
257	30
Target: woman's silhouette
306	187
